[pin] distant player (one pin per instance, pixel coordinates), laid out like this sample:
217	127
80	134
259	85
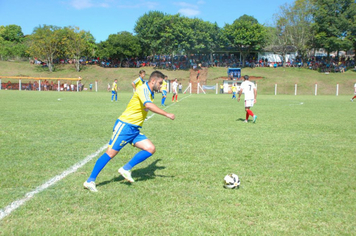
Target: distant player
139	81
352	99
250	91
175	90
127	130
114	91
164	91
234	91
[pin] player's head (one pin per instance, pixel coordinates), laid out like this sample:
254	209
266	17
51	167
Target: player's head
115	80
142	73
156	79
246	77
165	77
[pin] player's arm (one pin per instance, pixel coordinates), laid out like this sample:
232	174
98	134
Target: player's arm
255	92
240	92
133	85
152	107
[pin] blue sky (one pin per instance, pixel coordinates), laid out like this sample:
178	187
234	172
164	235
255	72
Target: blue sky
105	17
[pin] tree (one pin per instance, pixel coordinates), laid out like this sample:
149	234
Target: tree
77	43
333	24
12	42
148	29
293	27
245	34
121	45
46	42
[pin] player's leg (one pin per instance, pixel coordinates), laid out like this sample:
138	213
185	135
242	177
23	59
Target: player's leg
112	95
176	97
174	94
116	143
116	96
352	99
147	150
164	96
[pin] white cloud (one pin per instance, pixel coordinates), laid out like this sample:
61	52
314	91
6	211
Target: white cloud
185	4
82	4
189	12
141	4
201	2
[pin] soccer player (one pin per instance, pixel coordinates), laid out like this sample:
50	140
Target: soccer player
127	130
114	91
139	81
164	91
175	91
250	91
352	99
234	90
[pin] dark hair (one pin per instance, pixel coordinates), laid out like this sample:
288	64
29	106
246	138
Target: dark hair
156	74
246	77
141	71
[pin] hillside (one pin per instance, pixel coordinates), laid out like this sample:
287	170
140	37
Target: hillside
286	78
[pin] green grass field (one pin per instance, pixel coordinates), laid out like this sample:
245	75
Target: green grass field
296	164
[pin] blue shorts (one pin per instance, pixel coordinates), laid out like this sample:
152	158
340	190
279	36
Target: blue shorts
164	93
113	92
124	133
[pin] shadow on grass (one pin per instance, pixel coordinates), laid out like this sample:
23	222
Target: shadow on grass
142	174
240	119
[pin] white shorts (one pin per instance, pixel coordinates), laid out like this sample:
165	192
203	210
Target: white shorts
249	102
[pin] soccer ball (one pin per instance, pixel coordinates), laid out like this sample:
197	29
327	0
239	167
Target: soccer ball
231	181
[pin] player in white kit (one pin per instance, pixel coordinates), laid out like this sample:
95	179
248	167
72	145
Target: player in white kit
250	91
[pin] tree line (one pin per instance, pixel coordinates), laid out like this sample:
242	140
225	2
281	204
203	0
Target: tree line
302	26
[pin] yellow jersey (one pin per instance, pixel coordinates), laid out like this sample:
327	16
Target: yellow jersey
114	87
138	82
164	85
136	111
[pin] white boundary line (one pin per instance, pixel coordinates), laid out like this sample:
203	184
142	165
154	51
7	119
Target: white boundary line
28	196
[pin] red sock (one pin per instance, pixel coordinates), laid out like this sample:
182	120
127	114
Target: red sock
247	115
172	98
176	97
354	97
250	112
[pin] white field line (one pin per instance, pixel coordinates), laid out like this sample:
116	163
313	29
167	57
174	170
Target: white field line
28	196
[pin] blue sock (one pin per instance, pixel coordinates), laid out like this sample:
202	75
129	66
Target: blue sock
138	158
163	99
116	97
99	165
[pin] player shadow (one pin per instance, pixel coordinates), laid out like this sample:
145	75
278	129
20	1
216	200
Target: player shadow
240	119
142	174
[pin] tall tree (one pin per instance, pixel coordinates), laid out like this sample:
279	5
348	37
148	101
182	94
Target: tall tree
12	42
294	27
120	46
332	23
246	34
148	29
46	42
78	43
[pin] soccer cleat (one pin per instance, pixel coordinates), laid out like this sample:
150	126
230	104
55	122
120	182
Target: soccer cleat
90	185
245	121
126	174
351	100
254	118
177	101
